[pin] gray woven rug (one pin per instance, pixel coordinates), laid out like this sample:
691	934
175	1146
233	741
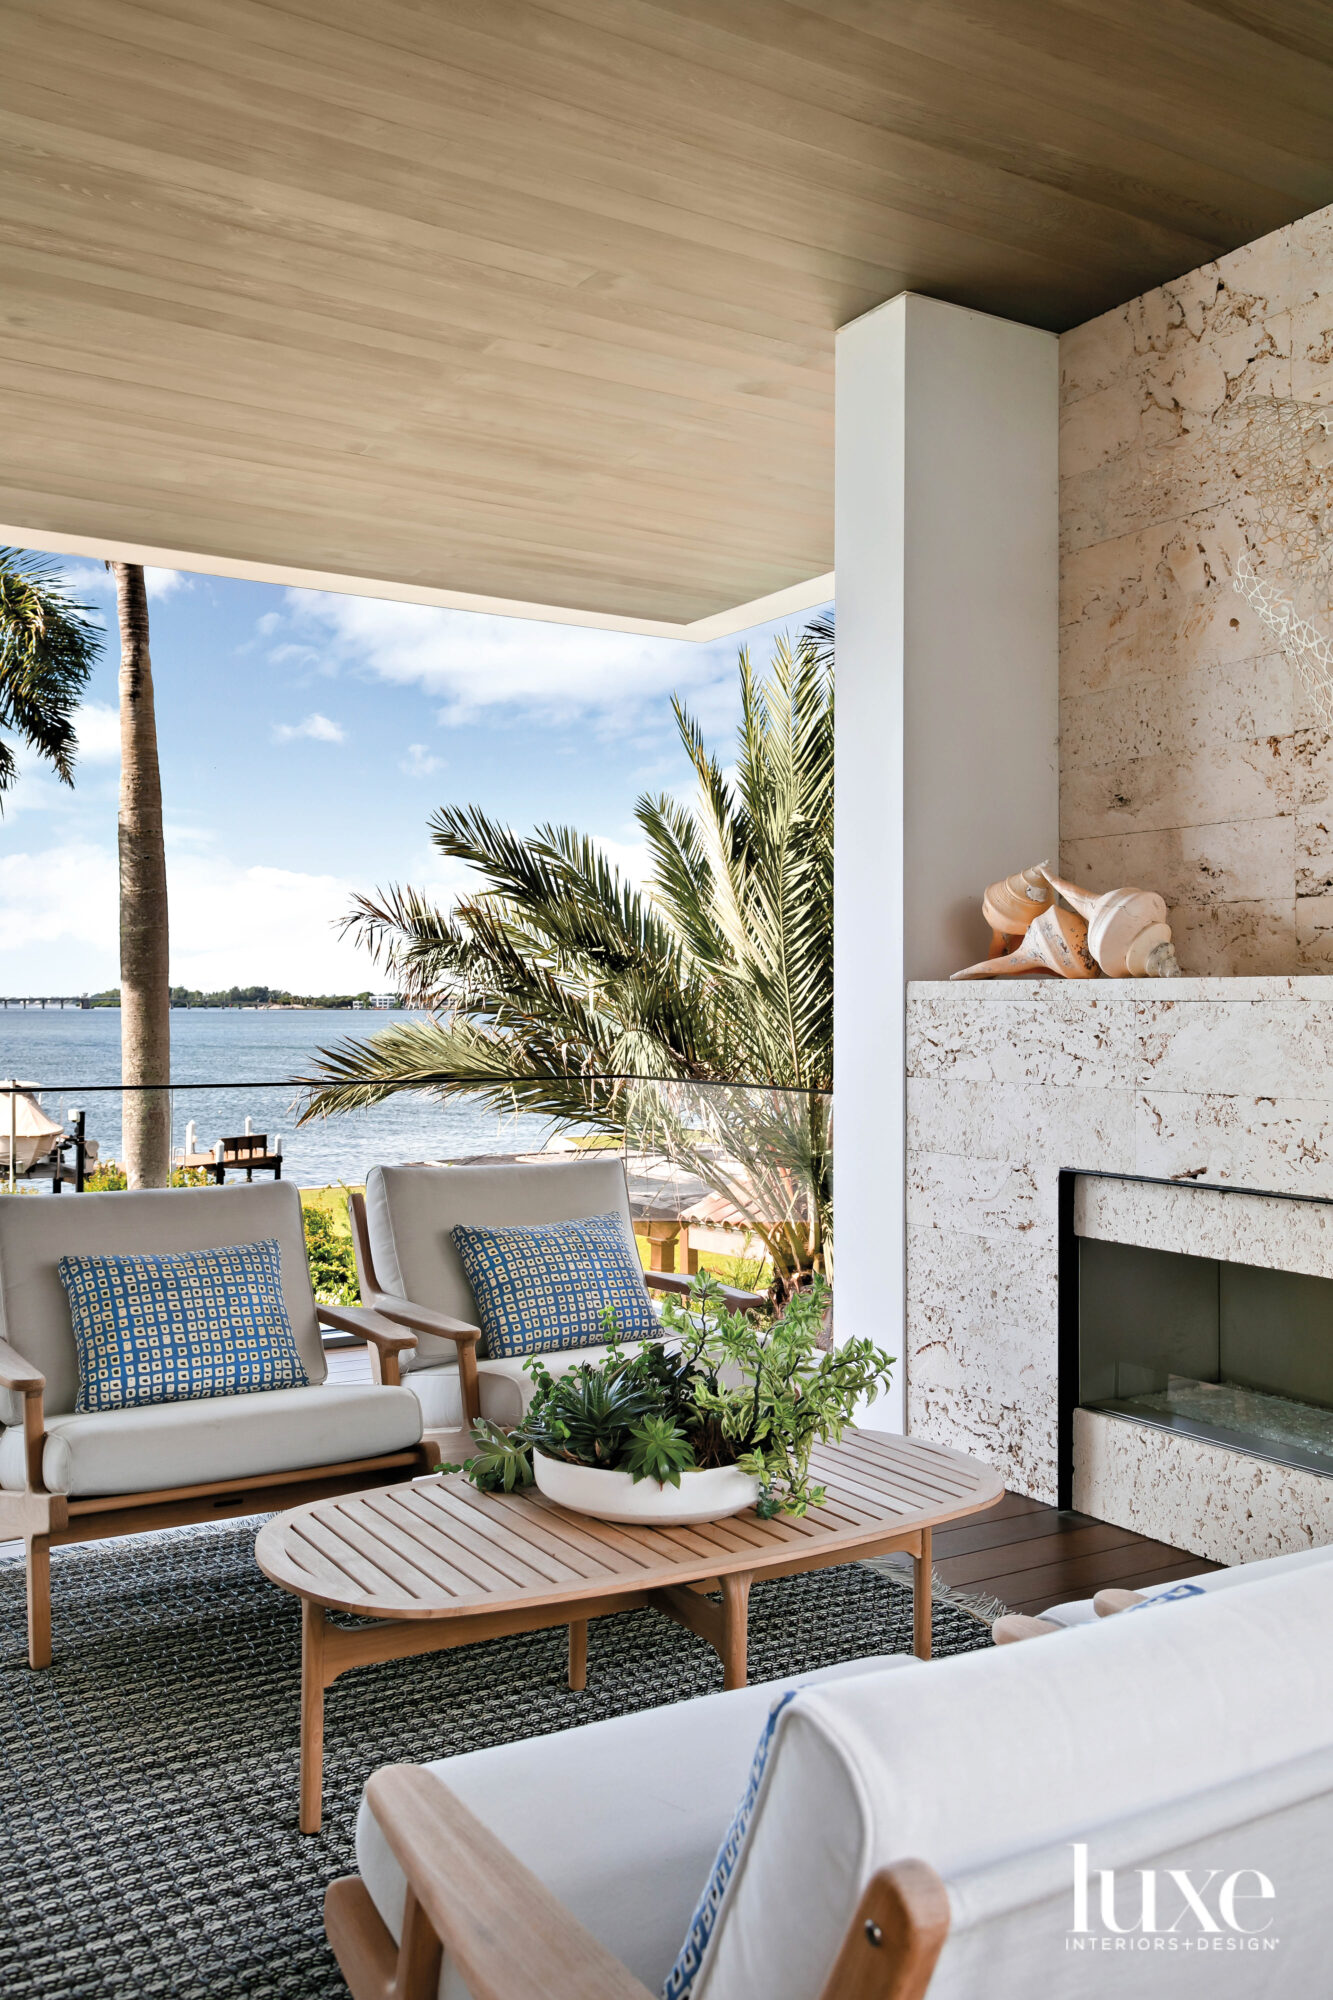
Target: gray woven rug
148	1841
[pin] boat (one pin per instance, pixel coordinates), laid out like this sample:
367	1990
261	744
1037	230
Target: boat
35	1136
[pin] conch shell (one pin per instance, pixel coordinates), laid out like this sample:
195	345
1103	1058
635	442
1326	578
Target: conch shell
1010	906
1056	941
1128	934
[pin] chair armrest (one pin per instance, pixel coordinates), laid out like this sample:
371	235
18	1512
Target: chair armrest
504	1930
676	1281
372	1326
423	1319
18	1374
24	1380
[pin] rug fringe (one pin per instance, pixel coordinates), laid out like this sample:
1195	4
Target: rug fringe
978	1604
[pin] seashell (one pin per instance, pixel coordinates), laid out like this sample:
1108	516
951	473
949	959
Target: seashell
1056	941
1010	906
1128	934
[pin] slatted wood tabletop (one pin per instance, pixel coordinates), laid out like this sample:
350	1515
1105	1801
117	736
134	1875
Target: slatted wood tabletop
444	1565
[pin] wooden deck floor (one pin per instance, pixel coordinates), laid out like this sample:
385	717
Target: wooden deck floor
1031	1556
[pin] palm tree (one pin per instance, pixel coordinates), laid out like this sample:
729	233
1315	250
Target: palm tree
696	1017
48	645
145	989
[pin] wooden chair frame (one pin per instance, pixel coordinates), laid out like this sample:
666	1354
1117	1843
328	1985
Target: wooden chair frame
425	1319
45	1520
511	1940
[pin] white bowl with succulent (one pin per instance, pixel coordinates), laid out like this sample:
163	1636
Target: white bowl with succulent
718	1416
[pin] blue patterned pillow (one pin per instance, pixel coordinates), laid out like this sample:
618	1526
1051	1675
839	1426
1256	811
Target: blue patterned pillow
680	1980
172	1329
544	1287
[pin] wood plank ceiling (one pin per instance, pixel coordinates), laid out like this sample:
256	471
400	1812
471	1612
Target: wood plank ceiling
536	298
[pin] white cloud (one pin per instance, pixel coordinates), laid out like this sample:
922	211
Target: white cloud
420	762
98	729
316	726
229	925
260	926
65	896
477	664
630	857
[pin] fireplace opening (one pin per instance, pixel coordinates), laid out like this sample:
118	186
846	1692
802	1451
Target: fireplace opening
1234	1353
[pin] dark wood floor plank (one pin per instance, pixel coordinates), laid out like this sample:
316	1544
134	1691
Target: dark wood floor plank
1173	1573
1012	1504
1031	1556
1082	1577
989	1533
1041	1552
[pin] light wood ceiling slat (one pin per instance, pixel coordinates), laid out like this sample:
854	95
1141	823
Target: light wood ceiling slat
536	298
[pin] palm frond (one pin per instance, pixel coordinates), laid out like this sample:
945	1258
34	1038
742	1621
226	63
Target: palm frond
48	646
557	986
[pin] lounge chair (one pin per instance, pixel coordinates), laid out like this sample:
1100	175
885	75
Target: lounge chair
411	1274
918	1829
70	1477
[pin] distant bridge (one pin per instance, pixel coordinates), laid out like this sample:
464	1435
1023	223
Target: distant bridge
45	1000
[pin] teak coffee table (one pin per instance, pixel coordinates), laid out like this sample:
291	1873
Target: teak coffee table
443	1565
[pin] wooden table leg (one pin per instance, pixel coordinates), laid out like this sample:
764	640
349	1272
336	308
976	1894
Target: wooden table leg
921	1605
735	1629
38	1565
578	1654
313	1626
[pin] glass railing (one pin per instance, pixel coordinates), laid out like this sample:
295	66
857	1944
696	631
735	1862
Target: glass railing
736	1178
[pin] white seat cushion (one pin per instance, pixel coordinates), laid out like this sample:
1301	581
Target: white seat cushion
504	1386
621	1819
226	1437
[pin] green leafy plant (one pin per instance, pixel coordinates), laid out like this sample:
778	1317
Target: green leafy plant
502	1462
717	1390
658	1449
111	1178
332	1263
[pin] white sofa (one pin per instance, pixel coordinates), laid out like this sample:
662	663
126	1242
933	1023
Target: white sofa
410	1272
1194	1736
66	1475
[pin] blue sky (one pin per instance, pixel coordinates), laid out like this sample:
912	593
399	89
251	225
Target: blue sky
304	739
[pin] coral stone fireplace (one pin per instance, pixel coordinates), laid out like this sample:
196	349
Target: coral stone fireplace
1207	1347
1120	1248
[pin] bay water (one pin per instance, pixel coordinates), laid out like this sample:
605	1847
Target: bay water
228	1064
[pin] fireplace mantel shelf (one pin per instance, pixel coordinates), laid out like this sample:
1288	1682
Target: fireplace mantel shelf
1302	987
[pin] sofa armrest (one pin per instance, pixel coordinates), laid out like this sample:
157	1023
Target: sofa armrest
675	1281
503	1929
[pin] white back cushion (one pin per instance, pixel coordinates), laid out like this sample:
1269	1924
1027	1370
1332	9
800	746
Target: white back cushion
990	1765
36	1234
411	1213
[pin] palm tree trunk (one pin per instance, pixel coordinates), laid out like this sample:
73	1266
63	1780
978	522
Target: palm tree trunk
145	991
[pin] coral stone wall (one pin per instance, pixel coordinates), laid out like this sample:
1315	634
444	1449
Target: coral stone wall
1191	760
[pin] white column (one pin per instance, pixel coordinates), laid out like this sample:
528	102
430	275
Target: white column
947	579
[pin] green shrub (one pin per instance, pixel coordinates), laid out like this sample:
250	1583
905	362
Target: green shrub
332	1265
110	1178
